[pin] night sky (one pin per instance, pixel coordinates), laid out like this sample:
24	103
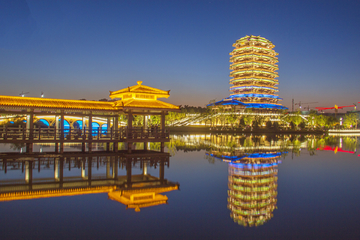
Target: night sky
83	49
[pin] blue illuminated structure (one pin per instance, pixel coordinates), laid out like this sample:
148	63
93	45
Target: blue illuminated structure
255	95
231	101
44	122
248	156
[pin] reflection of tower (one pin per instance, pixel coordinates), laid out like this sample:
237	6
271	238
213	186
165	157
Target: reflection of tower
253	188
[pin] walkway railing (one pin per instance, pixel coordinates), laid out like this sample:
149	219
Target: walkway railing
78	135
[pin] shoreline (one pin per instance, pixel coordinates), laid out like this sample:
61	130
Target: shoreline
201	129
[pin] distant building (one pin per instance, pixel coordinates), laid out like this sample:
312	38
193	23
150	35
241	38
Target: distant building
253	76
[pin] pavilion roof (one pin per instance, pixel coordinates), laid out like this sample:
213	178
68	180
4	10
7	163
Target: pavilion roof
140	89
149	104
135	97
31	102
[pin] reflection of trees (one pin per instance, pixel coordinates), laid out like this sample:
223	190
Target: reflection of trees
350	143
233	144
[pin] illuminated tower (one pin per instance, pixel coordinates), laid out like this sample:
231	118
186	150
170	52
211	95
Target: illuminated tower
253	188
254	65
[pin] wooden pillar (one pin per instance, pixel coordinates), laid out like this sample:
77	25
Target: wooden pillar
129	131
30	130
146	122
130	120
62	131
90	126
90	132
83	125
162	130
62	125
116	126
117	134
163	122
108	122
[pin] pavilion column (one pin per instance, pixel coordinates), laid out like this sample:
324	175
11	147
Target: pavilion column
145	129
83	125
62	127
162	130
90	126
117	135
108	123
56	129
129	131
90	132
30	130
83	130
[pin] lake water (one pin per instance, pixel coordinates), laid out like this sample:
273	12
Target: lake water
219	187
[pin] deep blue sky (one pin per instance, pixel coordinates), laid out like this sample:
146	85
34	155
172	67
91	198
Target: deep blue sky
83	49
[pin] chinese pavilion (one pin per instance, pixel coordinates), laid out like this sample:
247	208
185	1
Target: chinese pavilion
61	114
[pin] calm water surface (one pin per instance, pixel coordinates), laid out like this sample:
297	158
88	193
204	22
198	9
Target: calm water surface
230	187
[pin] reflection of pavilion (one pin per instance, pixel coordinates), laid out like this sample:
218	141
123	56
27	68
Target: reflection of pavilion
99	173
252	186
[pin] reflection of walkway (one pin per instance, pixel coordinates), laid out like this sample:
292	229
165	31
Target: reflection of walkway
252	186
133	190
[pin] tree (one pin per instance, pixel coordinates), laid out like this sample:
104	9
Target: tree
155	119
331	122
350	120
248	119
231	118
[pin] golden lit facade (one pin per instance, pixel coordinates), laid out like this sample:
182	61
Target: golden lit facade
135	97
252	194
253	72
